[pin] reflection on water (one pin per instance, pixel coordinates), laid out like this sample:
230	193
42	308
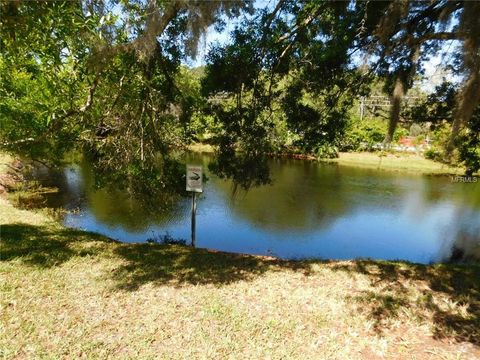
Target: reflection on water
309	211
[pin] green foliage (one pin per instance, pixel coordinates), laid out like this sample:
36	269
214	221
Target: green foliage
468	144
399	133
366	134
439	137
441	134
433	153
283	84
106	77
103	77
363	135
437	107
43	48
326	152
440	107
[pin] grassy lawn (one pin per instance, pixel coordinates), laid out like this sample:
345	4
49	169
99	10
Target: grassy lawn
201	148
396	162
71	294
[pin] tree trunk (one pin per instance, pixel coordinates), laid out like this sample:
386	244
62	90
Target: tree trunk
398	94
467	101
142	151
469	98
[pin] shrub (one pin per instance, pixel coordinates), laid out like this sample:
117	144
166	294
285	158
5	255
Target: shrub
363	135
433	154
165	239
327	152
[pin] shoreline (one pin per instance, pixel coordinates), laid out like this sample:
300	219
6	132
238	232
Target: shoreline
394	162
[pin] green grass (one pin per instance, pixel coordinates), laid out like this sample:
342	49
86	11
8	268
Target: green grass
396	162
70	294
201	148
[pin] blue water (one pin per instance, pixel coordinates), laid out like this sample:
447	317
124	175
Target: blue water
310	210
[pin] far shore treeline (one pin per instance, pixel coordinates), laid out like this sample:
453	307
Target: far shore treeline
108	78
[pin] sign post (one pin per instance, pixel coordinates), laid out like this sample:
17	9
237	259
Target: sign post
194	185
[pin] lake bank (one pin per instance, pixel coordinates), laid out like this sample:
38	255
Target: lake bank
411	163
74	294
406	162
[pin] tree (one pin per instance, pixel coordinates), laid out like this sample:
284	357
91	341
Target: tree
307	47
410	32
441	107
103	77
296	55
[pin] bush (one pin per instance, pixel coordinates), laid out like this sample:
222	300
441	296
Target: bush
327	152
399	133
433	154
441	135
165	239
363	135
468	144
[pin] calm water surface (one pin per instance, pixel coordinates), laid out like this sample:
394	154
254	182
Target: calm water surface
309	211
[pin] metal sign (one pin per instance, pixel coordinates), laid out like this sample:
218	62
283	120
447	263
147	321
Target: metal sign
194	178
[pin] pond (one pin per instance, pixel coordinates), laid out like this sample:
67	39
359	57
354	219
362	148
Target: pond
311	210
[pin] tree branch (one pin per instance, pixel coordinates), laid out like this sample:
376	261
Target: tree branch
91	92
441	36
298	26
144	44
270	18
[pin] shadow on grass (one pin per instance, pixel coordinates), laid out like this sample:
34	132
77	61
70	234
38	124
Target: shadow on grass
393	283
160	264
142	263
44	246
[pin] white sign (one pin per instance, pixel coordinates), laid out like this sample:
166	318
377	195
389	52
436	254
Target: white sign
194	178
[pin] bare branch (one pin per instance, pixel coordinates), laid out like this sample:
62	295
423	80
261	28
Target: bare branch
91	92
156	23
274	13
441	36
301	25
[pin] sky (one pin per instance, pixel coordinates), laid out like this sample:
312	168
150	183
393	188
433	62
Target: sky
435	71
